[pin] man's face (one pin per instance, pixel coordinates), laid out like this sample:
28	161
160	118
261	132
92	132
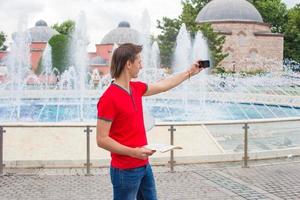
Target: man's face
135	66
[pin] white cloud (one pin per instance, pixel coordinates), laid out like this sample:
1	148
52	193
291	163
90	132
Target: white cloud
20	6
291	3
102	15
11	12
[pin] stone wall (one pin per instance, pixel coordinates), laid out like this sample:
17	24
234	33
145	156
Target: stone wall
251	47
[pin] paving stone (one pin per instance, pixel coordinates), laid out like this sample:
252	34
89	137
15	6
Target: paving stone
274	179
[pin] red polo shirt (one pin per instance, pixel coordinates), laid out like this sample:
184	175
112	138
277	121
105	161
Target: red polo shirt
125	111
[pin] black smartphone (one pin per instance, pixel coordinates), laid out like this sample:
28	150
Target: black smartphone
204	63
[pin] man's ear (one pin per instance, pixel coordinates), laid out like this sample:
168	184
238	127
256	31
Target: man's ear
128	64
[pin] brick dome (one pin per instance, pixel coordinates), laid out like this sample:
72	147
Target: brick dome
229	10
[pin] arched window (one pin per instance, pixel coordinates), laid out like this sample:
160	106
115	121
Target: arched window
230	52
242	38
253	54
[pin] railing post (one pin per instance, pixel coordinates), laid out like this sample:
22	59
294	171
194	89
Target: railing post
245	158
88	163
1	150
172	161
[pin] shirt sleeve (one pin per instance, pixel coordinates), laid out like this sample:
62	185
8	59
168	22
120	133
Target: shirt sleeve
141	87
106	109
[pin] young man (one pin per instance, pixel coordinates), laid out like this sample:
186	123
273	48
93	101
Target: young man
120	125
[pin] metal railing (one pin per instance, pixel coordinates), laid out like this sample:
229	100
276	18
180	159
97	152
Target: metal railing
87	130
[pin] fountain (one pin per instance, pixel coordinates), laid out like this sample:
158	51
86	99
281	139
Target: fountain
73	97
18	63
182	58
145	39
150	55
79	59
47	74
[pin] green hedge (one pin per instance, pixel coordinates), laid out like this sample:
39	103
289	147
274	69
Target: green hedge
60	46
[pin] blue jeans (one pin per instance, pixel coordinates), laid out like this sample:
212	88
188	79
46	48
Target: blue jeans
130	184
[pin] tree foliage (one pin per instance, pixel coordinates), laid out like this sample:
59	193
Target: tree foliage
59	44
39	68
282	20
190	10
292	34
215	43
170	28
167	39
65	28
3	47
273	12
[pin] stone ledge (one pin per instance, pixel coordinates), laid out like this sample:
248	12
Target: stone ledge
287	153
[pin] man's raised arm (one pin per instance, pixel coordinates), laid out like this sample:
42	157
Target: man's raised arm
169	83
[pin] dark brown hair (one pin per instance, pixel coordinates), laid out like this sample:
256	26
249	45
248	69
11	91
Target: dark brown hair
120	57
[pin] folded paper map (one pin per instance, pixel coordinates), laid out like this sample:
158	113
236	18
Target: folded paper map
162	147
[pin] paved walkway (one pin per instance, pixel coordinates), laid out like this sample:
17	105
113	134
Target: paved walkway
272	179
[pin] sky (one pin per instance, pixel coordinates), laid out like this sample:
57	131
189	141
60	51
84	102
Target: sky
101	15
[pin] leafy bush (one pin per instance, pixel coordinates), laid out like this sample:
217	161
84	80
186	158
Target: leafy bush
60	48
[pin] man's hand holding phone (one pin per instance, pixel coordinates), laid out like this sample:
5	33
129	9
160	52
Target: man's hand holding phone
203	64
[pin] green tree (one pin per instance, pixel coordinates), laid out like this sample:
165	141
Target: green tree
190	10
38	70
292	34
170	28
273	12
59	44
166	40
65	28
3	47
283	21
215	44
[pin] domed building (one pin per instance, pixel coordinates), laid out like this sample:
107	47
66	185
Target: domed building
97	62
3	68
40	34
120	35
249	42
